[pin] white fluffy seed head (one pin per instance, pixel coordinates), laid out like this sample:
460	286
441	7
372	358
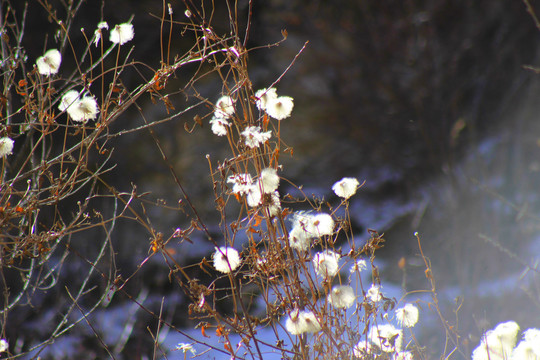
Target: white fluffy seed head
68	100
241	183
264	96
303	221
529	347
6	146
341	296
497	343
4	345
122	33
85	109
254	195
314	225
374	293
49	63
359	265
532	337
226	259
219	126
293	323
313	324
254	136
326	263
407	315
507	333
386	337
280	108
79	109
224	107
272	203
269	180
302	321
346	187
298	239
323	224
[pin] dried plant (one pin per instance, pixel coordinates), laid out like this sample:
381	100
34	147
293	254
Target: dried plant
296	280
